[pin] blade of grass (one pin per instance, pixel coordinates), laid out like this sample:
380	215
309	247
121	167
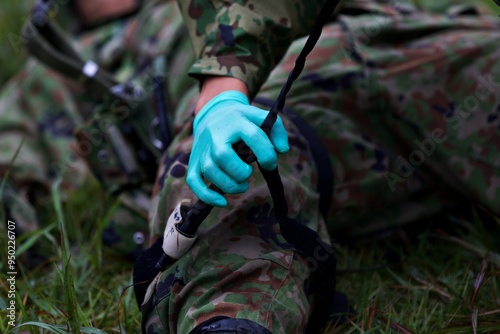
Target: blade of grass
56	200
6	177
31	238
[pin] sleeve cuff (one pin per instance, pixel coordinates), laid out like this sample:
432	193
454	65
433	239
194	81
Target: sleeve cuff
230	66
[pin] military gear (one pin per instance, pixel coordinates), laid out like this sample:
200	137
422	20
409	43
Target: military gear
383	87
377	87
119	126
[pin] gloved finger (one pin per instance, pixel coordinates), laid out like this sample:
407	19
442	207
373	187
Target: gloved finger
200	189
216	175
279	136
229	161
261	146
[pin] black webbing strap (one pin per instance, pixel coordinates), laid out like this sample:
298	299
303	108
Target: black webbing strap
275	185
318	254
321	159
319	154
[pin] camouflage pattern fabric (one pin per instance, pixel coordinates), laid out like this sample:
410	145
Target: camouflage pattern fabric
44	121
406	104
244	39
241	266
46	109
386	7
410	119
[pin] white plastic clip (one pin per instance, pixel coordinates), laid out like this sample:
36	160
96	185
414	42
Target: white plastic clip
174	243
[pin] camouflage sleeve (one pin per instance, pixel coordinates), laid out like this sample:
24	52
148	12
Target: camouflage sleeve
244	38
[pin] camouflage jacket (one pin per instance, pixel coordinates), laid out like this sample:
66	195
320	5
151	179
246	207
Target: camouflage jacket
247	38
244	39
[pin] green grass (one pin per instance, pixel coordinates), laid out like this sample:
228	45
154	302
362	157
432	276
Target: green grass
79	287
436	283
439	282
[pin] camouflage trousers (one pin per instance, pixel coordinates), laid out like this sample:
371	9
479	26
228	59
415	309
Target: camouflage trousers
408	110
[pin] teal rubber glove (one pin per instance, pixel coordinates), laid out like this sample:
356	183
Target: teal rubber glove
223	121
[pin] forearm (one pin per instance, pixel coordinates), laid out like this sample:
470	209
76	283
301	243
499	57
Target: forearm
214	85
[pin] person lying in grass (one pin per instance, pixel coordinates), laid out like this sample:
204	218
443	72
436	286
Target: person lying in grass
405	104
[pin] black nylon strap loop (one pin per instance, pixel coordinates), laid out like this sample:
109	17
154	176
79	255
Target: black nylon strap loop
277	191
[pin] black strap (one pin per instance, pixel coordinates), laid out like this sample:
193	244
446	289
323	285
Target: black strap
145	270
322	161
275	185
302	238
319	153
317	253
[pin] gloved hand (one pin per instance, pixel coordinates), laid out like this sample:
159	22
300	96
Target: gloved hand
224	120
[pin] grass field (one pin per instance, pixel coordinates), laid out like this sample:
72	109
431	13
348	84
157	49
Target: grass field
437	282
444	279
